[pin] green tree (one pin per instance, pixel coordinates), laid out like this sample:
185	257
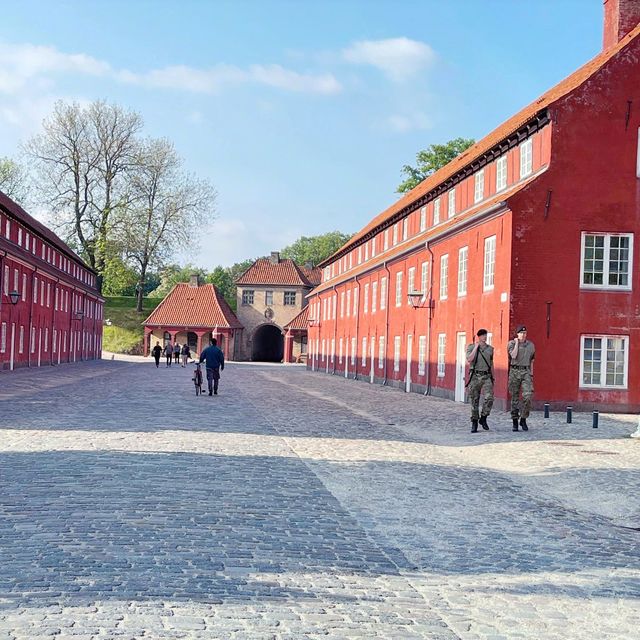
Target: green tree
431	159
119	278
223	279
315	249
13	180
172	275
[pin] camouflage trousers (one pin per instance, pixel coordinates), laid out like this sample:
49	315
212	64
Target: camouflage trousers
480	381
520	380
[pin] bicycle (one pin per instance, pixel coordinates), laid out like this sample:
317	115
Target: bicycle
197	378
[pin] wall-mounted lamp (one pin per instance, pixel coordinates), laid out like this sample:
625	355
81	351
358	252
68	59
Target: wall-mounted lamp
313	322
14	296
418	300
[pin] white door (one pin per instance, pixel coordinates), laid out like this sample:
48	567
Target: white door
408	376
13	345
461	363
346	359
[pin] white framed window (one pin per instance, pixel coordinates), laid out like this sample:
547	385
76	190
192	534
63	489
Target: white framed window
411	282
526	158
6	280
373	246
363	362
348	302
383	293
489	263
604	361
424	272
399	289
463	255
342	305
46	339
333	350
380	351
20	240
355	301
397	344
606	261
374	296
365	302
423	218
360	254
247	296
422	355
451	210
442	349
353	351
334	304
323	349
489	337
478	186
55	341
395	234
436	211
21	340
16	279
366	251
340	344
48	294
350	259
289	298
33	339
3	337
386	239
405	228
501	173
24	287
444	276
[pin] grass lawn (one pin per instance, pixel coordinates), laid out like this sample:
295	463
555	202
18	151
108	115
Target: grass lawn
125	334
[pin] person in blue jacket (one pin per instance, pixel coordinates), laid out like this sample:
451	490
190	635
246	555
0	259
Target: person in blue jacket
214	359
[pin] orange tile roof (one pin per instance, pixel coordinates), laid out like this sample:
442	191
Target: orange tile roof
283	273
187	306
506	129
301	321
314	275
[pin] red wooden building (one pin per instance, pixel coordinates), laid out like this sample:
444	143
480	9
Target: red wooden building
533	224
50	309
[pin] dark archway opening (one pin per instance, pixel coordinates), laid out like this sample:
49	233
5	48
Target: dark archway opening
192	341
268	344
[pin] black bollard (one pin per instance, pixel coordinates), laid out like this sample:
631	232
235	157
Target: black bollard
546	409
596	415
569	414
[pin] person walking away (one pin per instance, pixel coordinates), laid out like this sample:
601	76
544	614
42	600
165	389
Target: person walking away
176	353
157	352
521	353
168	353
480	358
186	354
214	359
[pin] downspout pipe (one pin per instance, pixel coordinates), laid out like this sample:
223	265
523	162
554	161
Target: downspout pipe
335	329
355	369
427	391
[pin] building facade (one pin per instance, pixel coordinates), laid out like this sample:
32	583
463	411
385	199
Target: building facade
270	294
192	314
536	223
50	309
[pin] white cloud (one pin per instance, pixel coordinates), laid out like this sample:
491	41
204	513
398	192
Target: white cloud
404	123
21	65
398	58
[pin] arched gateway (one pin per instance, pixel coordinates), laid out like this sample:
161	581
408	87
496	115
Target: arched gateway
267	344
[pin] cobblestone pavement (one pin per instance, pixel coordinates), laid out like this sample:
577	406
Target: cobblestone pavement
300	505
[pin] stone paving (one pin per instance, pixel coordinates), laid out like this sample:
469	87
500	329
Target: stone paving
301	505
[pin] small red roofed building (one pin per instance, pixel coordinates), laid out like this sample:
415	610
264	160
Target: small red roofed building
50	307
270	294
295	337
535	224
193	313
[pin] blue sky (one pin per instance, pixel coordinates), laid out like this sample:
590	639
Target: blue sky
300	113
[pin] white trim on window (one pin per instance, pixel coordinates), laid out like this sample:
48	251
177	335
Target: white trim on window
478	186
526	158
451	211
374	296
489	263
423	218
436	211
381	354
604	361
444	276
363	362
397	345
463	257
399	289
501	173
383	293
442	351
606	262
422	354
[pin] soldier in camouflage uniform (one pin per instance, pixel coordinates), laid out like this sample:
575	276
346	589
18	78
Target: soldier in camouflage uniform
480	359
521	354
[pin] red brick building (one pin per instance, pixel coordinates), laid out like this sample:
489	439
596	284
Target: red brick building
50	309
193	314
533	224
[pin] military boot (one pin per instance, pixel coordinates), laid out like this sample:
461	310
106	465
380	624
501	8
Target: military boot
515	424
474	425
523	424
483	423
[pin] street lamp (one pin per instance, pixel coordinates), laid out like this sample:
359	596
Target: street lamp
14	296
418	300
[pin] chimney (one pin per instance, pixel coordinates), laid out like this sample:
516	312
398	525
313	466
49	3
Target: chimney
308	265
620	17
194	280
275	257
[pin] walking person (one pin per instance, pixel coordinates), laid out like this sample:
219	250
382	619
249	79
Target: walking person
480	359
157	352
168	352
521	354
176	353
186	354
214	359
